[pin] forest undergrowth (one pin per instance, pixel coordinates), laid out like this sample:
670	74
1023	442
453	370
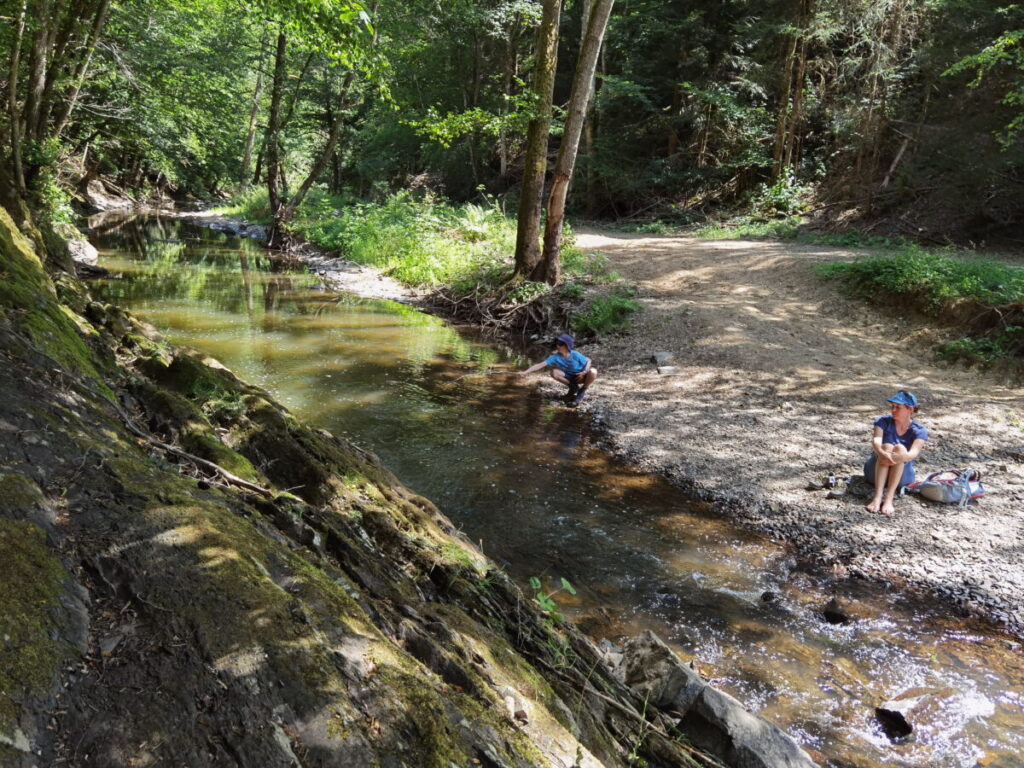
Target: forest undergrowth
460	256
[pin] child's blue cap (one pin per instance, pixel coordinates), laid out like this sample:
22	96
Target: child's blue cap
904	398
566	339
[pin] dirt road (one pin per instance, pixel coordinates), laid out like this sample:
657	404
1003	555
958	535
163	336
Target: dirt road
776	381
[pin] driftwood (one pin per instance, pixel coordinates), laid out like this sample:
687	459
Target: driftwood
496	312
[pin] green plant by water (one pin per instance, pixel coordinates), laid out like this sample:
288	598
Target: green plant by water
545	598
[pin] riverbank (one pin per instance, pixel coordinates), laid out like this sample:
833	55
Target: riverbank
775	381
158	576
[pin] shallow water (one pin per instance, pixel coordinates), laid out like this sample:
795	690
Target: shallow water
522	477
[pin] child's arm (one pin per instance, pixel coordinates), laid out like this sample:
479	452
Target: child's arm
534	368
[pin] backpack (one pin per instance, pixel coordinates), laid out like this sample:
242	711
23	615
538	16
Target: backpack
950	486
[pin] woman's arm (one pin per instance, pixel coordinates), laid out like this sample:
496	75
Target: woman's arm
915	449
876	445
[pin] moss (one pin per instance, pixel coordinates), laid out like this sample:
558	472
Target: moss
30	586
206	446
18	494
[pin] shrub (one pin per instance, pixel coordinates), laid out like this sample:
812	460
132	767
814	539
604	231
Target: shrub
934	276
606	313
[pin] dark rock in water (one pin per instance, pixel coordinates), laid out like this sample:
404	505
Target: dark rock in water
894	724
835	612
898	714
769	597
90	271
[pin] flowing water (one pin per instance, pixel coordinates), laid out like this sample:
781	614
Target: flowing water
523	477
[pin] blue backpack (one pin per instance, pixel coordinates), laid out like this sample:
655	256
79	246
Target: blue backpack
950	486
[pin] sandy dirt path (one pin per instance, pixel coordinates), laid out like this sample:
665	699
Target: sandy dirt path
777	380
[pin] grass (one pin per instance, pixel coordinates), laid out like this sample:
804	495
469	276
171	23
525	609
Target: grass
602	314
424	242
936	281
937	277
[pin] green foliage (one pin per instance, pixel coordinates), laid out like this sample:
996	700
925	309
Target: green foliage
1005	56
592	267
545	599
603	314
572	291
933	276
785	198
985	350
743	227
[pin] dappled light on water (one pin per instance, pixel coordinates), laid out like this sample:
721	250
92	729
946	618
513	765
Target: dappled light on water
521	476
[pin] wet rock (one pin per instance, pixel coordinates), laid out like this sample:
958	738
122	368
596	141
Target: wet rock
769	597
710	720
836	612
894	724
719	724
82	252
655	673
898	715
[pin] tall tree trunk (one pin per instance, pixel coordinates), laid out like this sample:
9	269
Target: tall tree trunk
782	121
272	139
69	102
254	110
37	70
287	211
12	103
549	269
790	157
546	59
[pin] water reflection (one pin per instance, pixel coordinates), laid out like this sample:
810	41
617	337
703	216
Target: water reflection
521	476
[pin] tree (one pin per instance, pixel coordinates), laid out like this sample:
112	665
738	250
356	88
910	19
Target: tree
528	253
548	270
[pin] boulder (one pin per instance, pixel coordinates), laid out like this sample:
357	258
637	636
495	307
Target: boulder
82	252
710	720
98	199
720	724
655	673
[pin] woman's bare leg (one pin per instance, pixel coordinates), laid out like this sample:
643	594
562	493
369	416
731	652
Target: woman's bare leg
881	475
899	455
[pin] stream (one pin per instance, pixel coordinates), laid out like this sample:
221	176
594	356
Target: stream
524	478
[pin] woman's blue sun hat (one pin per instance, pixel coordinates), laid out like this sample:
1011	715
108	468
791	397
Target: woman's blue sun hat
566	339
904	398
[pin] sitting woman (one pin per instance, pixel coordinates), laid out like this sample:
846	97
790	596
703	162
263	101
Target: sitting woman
896	442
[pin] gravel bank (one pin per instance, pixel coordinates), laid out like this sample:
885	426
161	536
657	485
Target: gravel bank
775	380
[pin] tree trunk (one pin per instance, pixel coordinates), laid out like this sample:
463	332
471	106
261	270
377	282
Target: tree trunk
37	70
12	103
250	137
272	140
790	157
78	79
549	269
281	219
546	59
782	120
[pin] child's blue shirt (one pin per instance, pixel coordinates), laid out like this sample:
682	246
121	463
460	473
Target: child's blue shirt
571	365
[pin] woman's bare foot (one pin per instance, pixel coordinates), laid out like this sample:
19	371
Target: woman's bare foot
873	506
888	508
